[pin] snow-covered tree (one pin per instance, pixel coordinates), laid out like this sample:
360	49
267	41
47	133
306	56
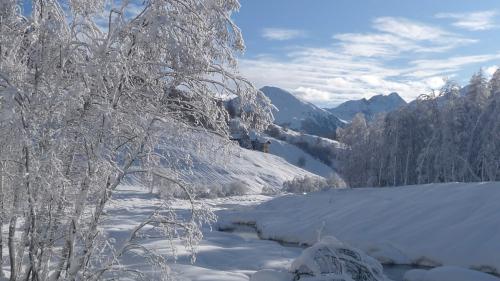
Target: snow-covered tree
449	137
84	105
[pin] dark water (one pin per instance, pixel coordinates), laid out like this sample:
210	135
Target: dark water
248	232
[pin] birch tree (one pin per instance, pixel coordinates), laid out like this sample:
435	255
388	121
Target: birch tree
84	104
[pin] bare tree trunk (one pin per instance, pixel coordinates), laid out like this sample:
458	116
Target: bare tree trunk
407	164
12	234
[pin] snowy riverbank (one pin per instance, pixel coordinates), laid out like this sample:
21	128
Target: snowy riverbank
441	224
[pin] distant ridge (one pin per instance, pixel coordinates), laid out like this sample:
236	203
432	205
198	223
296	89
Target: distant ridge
371	107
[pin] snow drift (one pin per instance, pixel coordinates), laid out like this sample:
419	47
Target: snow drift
436	224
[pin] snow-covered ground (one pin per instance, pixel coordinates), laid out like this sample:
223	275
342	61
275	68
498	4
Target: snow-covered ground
237	255
441	224
221	255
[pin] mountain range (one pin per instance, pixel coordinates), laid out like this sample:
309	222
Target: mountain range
291	112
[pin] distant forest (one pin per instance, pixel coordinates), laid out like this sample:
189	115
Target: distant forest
445	136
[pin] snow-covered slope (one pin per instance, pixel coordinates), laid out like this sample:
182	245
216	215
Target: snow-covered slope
292	136
299	115
438	224
371	107
212	161
298	157
312	153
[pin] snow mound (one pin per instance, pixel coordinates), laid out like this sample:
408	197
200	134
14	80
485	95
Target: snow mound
448	273
331	259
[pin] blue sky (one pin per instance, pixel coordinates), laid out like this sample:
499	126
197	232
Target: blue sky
329	51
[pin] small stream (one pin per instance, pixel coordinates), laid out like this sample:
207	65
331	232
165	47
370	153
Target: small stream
248	232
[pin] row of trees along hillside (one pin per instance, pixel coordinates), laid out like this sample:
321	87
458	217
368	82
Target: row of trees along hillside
84	104
452	135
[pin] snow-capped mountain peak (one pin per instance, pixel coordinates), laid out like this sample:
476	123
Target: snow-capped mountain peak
292	112
369	107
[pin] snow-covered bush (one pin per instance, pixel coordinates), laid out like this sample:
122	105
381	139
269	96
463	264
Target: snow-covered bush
336	181
270	191
235	188
330	259
305	184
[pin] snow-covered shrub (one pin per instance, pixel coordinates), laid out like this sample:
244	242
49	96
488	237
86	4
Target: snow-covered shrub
328	260
331	259
305	184
235	188
171	190
270	191
336	181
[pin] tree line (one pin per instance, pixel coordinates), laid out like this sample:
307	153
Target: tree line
446	136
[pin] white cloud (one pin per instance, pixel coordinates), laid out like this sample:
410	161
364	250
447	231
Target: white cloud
474	21
398	35
435	82
443	66
312	95
408	29
327	78
361	65
373	44
282	34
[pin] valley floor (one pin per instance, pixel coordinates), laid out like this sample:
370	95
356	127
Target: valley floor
221	255
450	224
429	225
